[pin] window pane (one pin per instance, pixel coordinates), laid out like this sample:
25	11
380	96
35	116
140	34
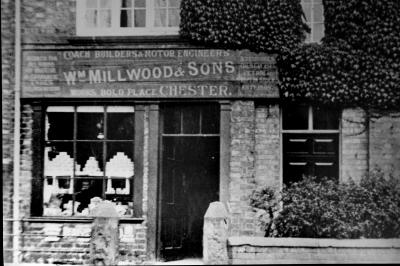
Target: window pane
191	120
307	9
91	3
91	18
58	171
90	126
318	13
60	126
120	126
119	159
325	145
140	3
140	18
87	190
126	3
326	169
325	118
172	120
174	3
105	18
161	3
294	170
210	119
295	117
318	31
89	158
160	17
105	3
174	18
297	144
126	18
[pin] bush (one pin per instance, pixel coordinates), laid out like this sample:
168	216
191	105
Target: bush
328	209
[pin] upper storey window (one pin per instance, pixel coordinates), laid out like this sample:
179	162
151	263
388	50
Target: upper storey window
314	17
127	17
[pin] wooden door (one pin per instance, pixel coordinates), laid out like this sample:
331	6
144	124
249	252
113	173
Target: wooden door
189	182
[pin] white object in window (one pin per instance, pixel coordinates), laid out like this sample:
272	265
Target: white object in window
127	17
314	16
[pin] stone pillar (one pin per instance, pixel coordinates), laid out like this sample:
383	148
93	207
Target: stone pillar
215	234
105	235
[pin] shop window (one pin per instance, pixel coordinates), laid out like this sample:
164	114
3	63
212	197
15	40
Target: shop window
127	17
88	158
310	142
314	17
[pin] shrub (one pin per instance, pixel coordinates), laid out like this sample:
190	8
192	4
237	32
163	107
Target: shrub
327	209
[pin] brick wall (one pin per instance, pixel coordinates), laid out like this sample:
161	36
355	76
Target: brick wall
241	178
268	146
7	84
384	143
132	246
354	144
259	250
55	243
48	21
255	161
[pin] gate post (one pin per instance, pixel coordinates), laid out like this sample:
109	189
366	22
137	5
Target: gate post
215	234
104	235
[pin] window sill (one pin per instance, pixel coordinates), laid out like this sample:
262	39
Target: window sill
125	39
58	219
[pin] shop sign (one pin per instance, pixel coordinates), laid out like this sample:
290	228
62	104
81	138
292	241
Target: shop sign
151	73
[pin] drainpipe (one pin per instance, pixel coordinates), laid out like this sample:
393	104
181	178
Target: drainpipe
17	136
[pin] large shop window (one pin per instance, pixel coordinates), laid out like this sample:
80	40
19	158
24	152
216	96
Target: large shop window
88	158
310	142
314	17
127	17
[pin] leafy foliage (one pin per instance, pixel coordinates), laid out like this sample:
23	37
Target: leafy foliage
258	25
333	75
358	63
327	209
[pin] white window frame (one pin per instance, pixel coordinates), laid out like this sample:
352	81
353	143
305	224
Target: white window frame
312	21
115	29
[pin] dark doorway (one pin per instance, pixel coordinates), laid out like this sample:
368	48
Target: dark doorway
189	177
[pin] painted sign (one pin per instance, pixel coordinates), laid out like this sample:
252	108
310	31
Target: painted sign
156	73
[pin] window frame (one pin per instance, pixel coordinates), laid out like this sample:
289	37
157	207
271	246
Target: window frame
309	132
115	30
312	21
39	140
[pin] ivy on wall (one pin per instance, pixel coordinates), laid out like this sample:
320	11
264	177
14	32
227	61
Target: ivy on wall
258	25
331	75
358	63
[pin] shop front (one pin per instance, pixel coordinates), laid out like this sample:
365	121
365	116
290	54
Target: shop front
147	129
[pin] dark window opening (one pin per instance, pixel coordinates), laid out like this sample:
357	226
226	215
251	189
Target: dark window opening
310	142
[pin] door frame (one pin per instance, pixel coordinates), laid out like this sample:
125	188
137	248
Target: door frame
155	138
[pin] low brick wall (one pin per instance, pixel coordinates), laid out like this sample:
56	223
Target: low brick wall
261	250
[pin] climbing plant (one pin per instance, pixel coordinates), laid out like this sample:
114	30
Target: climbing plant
258	25
358	63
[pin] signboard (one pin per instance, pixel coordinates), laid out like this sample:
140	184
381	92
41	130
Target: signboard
149	73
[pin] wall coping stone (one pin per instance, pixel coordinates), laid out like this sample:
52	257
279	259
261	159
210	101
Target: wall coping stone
314	242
